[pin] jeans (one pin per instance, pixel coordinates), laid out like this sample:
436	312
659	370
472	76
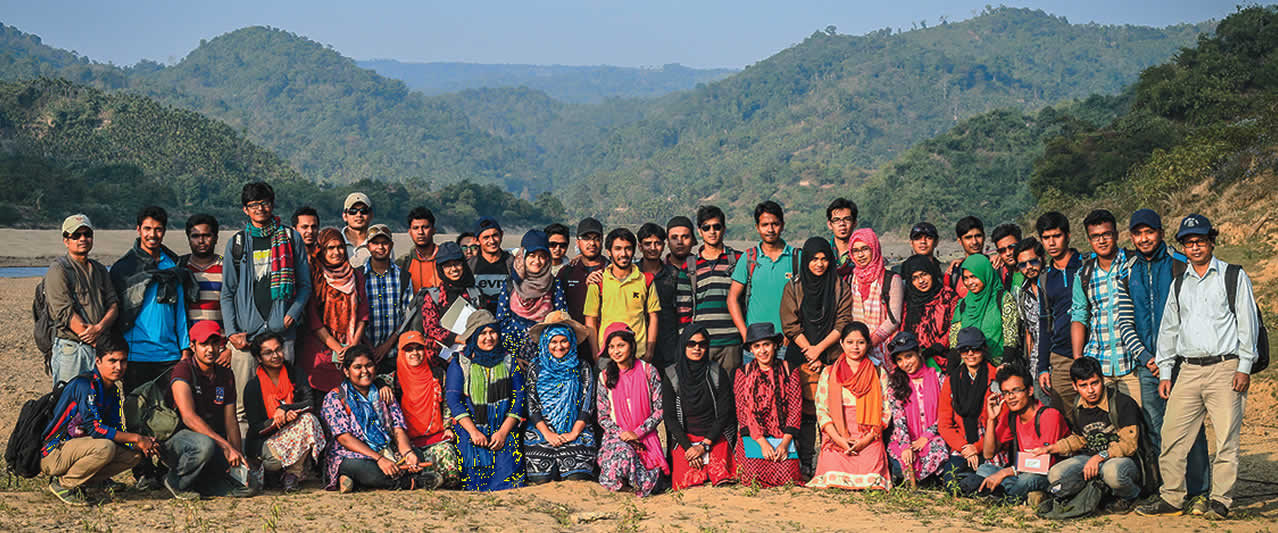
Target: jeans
1197	465
953	471
1119	473
196	463
1015	486
70	359
367	475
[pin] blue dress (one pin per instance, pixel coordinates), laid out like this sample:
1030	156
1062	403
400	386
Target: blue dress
487	395
514	328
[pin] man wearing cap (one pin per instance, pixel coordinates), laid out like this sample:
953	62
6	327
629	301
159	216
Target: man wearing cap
82	301
589	259
680	240
417	267
388	296
704	283
923	237
1214	340
357	212
841	218
492	265
652	241
1149	283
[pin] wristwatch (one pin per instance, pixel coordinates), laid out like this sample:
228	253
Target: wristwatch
1104	455
705	444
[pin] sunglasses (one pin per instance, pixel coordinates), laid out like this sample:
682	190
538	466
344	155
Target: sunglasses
470	247
1007	249
699	344
1031	263
85	234
563	245
358	211
712	227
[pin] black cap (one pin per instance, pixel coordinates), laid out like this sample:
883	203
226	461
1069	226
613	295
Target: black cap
761	331
924	228
904	341
1145	217
589	225
1194	224
970	337
485	224
679	222
448	251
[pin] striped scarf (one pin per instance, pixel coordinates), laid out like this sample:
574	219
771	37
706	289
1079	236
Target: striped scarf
283	272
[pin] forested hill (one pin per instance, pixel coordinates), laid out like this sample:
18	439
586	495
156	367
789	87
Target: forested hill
570	84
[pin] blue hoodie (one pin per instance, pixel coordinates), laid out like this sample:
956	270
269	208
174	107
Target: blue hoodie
1149	283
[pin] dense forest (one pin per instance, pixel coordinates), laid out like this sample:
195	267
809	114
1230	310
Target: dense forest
569	84
829	116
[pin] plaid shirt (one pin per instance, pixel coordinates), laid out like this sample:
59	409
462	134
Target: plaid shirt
387	299
1106	309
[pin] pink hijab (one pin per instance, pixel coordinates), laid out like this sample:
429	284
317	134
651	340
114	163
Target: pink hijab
867	275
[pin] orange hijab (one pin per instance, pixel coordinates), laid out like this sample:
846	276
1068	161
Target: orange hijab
864	385
274	395
421	398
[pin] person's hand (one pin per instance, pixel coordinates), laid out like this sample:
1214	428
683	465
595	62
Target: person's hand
223	359
693	455
918	444
552	438
379	352
765	447
411	463
815	366
288	322
340	354
239	341
1242	381
1092	468
233	456
628	436
1164	389
387	466
1045	381
90	334
569	436
990	483
907	457
996	260
973	461
994	408
595	277
279	418
1042	450
478	439
812	352
1153	367
289	417
146	445
449	435
386	394
497	441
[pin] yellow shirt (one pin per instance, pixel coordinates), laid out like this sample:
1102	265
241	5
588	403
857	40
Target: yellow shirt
627	300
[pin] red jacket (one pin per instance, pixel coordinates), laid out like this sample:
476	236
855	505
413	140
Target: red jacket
950	423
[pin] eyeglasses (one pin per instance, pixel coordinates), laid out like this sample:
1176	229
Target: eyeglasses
1036	262
590	237
1195	243
277	351
257	206
968	349
1007	249
86	234
563	245
861	250
358	211
1105	236
712	227
842	220
1016	391
470	248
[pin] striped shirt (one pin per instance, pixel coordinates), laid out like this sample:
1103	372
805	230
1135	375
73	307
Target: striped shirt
708	303
387	299
208	305
1107	311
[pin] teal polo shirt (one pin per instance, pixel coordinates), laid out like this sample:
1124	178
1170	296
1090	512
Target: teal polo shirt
766	284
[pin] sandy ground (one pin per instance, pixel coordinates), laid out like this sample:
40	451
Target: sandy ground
577	506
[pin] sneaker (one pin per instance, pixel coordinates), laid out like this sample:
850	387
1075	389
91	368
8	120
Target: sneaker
73	497
290	483
345	485
183	495
1199	506
1158	508
148	483
242	492
1118	506
1035	498
1216	511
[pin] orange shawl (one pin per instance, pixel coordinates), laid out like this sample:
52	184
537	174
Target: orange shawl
864	385
421	397
275	395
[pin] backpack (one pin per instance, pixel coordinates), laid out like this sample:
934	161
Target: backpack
1074	498
1085	271
44	329
752	261
237	247
22	456
690	268
147	409
1232	274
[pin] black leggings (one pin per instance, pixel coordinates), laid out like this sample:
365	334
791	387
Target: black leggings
367	475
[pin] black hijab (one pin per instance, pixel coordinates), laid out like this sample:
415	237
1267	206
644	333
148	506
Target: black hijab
694	389
969	396
915	299
453	289
818	309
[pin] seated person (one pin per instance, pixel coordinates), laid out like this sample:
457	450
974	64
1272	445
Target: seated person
916	450
961	410
370	446
486	394
629	408
696	396
86	445
1099	447
852	412
559	443
282	431
769	411
418	385
207	444
1015	423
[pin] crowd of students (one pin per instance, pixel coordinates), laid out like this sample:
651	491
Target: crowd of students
1033	373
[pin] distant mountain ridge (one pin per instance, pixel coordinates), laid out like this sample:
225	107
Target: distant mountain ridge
569	84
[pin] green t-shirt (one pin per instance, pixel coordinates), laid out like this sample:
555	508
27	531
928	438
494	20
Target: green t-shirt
766	284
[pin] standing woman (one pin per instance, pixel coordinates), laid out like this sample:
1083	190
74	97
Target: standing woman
869	275
853	412
485	393
629	406
769	406
559	443
530	294
916	448
929	305
282	431
418	385
987	307
815	306
456	281
336	313
700	421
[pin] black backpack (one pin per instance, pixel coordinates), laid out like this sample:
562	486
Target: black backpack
44	328
1232	274
22	456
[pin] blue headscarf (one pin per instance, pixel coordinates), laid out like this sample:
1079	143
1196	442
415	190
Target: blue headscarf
558	381
483	358
364	409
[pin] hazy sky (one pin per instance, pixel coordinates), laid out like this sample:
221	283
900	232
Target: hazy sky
699	33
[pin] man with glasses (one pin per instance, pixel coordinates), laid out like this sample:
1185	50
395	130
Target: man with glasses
82	302
1215	342
557	236
1005	237
1101	310
492	265
469	246
589	260
1029	256
840	217
417	267
357	212
705	279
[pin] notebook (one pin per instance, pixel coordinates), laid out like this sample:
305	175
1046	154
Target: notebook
753	451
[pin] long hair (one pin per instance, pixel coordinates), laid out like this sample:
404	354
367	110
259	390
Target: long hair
612	373
899	381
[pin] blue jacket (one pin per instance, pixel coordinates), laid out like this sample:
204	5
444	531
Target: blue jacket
86	409
1149	283
1056	297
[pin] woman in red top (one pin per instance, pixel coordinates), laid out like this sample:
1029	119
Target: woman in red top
961	411
336	314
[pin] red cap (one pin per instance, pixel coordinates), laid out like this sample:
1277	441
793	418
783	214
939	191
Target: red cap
411	337
204	329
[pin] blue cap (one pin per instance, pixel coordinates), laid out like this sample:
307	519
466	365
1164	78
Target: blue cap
448	251
485	224
970	337
535	240
1194	224
1145	217
904	341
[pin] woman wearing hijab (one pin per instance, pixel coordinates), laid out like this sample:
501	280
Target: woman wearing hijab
282	432
336	313
530	294
370	446
456	281
485	394
815	306
916	449
629	407
929	304
769	406
878	307
418	385
853	412
559	443
987	307
961	411
696	397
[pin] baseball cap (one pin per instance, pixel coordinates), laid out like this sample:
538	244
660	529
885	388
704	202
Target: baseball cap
1194	224
448	251
904	341
356	198
535	240
204	330
923	228
486	223
1145	217
380	230
970	337
75	222
589	225
411	337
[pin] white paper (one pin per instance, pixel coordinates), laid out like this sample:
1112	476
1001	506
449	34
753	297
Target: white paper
455	317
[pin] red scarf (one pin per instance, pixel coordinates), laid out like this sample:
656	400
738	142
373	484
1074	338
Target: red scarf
275	395
421	397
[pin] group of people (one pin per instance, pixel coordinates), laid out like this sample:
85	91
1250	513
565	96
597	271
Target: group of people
1027	373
